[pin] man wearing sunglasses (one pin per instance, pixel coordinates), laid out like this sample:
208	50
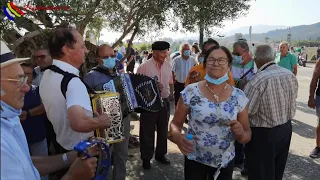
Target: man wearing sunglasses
42	59
15	157
97	79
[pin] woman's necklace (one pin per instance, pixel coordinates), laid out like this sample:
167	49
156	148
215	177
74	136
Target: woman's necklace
216	95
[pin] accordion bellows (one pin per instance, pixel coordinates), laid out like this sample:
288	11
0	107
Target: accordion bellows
138	93
109	103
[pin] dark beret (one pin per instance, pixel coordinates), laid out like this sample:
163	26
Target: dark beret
160	45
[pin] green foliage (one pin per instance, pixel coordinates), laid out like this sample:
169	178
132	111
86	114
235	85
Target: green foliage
147	15
95	27
142	47
307	43
198	14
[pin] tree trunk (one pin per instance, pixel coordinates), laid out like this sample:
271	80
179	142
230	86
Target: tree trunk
129	29
201	32
81	28
83	24
124	34
128	52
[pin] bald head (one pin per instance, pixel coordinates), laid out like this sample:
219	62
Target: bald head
104	51
284	44
184	46
284	48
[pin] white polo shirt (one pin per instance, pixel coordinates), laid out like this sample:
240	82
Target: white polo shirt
56	105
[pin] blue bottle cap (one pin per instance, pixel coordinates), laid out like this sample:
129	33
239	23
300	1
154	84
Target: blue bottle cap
189	136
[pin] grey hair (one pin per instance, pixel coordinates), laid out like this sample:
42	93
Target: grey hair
182	45
265	54
243	44
284	43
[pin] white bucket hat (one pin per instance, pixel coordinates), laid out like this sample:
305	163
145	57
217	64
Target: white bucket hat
7	57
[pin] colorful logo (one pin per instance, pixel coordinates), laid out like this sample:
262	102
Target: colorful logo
11	11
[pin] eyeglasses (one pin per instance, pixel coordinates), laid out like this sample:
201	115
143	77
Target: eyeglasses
20	82
221	61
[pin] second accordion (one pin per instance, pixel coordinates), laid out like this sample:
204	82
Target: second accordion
109	103
138	93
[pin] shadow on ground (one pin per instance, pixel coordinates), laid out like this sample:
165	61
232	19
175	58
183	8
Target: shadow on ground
301	106
299	167
175	171
303	129
157	171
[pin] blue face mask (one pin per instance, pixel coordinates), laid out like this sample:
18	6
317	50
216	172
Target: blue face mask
187	53
217	81
201	59
109	62
237	59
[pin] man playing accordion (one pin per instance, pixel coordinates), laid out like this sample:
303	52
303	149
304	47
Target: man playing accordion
157	66
97	79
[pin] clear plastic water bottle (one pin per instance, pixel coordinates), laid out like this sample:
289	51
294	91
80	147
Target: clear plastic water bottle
190	156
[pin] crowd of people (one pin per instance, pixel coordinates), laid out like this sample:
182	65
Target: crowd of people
238	107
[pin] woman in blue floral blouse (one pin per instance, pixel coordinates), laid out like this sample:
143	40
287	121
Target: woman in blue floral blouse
218	116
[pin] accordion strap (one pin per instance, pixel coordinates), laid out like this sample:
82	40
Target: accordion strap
103	71
67	78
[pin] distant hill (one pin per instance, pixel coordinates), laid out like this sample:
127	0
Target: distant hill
257	29
302	32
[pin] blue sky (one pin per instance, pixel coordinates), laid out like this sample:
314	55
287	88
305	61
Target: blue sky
266	12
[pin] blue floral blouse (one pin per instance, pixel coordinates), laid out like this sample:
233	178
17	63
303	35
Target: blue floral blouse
213	139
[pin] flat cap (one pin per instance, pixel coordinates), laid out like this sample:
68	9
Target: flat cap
160	45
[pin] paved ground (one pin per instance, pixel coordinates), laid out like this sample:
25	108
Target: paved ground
299	165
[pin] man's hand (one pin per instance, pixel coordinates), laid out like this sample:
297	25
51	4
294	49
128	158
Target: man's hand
246	58
82	169
23	115
237	129
160	86
103	120
312	102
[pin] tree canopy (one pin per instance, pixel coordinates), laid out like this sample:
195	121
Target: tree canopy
204	15
136	18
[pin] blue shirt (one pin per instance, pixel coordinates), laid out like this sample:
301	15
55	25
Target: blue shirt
34	126
119	57
15	158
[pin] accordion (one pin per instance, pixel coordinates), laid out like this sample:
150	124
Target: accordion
109	103
138	93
